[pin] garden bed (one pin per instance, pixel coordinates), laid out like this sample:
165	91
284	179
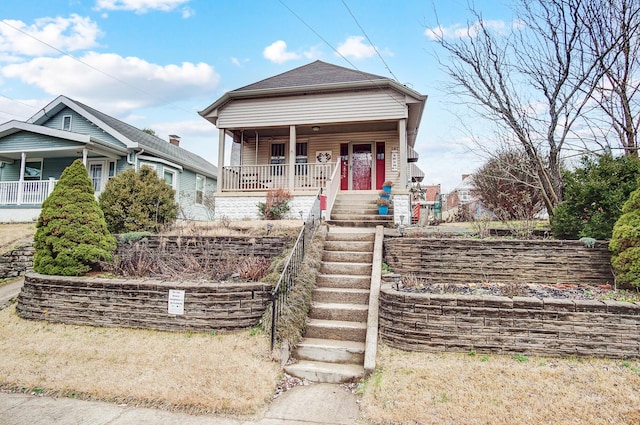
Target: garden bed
559	291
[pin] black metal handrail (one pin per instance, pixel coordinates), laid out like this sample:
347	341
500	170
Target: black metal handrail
280	293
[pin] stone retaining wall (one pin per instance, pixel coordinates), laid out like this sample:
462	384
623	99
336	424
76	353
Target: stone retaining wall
142	303
16	262
214	247
501	261
501	325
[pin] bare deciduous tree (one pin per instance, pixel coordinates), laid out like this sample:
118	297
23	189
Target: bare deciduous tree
534	80
615	40
506	185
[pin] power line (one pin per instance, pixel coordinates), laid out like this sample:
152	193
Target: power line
369	40
163	101
336	50
17	101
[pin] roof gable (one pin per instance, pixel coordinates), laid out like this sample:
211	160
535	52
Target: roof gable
127	134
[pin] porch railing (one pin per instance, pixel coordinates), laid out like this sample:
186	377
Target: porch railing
307	176
280	294
25	192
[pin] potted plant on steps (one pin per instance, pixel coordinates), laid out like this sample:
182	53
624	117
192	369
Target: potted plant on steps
386	186
385	195
383	206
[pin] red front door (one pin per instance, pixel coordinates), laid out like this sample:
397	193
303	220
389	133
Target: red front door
344	166
361	161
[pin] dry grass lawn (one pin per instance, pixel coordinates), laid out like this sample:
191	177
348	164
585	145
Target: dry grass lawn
447	388
197	373
223	228
11	233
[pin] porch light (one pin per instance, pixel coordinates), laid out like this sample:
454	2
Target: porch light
315	128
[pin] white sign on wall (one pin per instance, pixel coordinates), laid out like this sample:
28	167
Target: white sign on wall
395	158
176	301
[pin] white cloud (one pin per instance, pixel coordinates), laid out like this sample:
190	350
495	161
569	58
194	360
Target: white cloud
314	52
277	52
19	109
139	6
187	12
136	83
355	47
186	129
470	31
238	62
67	34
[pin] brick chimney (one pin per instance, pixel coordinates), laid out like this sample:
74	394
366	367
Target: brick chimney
174	140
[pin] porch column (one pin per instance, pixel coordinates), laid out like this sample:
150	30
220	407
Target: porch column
23	164
402	133
220	182
85	154
292	156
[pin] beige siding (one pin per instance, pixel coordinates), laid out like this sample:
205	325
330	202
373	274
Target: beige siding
317	109
325	142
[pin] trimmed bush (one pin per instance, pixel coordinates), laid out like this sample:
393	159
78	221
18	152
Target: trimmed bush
71	233
625	242
138	201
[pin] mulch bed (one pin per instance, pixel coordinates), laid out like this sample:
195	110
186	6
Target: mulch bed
561	291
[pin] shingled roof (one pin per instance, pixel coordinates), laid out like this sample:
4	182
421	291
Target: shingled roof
153	143
316	76
312	74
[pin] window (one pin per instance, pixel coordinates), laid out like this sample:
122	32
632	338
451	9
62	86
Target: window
277	158
112	169
66	122
33	170
301	158
200	182
170	178
95	173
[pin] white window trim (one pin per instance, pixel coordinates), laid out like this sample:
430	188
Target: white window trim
174	185
64	117
204	189
40	160
105	173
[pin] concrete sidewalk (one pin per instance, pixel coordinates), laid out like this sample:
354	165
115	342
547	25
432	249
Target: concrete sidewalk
11	290
308	404
311	404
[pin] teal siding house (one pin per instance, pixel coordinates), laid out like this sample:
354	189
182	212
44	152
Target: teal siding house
34	153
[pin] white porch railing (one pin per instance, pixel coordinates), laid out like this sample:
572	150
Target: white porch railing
25	192
264	177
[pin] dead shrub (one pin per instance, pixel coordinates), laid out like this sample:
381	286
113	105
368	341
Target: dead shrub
411	281
139	261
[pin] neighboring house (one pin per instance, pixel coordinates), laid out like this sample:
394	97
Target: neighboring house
34	153
316	127
432	203
464	194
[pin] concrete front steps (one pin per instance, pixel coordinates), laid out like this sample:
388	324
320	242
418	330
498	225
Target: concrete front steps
333	347
358	209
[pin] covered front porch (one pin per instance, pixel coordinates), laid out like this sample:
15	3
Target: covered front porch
312	161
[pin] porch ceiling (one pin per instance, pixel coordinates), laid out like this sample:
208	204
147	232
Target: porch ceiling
307	130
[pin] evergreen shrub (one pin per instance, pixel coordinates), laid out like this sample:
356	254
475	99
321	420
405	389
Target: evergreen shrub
138	202
71	234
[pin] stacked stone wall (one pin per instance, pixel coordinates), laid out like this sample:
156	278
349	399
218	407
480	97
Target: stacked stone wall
519	325
142	303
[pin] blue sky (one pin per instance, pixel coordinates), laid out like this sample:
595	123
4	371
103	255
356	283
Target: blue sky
156	63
